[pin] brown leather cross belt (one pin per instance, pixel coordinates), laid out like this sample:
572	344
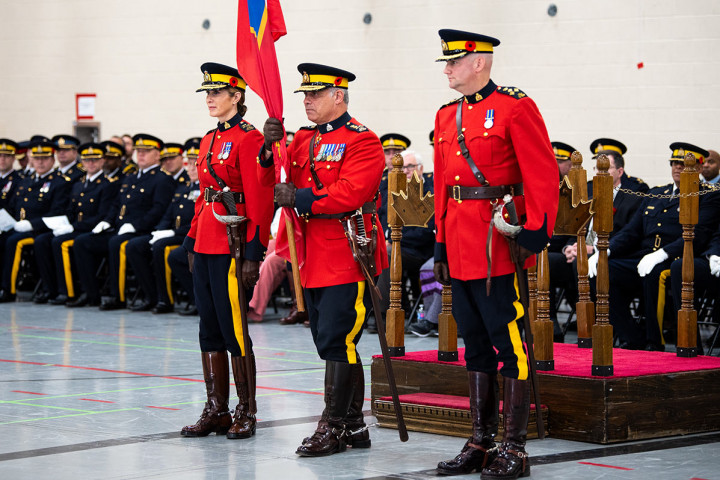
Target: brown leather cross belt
456	192
210	196
368	207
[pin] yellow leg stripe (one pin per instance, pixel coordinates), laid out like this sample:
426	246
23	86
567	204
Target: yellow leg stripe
67	266
168	272
16	262
664	275
359	320
121	271
235	305
515	339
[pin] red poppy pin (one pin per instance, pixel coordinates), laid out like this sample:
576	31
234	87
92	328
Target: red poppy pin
470	46
338	81
233	81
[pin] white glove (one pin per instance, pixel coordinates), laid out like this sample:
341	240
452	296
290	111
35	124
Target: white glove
649	261
715	265
64	230
101	227
23	226
592	265
158	234
126	228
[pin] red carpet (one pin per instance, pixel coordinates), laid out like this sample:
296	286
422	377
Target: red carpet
572	361
439	400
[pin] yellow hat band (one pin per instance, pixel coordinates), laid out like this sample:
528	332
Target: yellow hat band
325	79
41	151
219	80
192	152
7	149
562	154
171	152
91	153
142	143
608	147
112	152
680	153
468	46
394	143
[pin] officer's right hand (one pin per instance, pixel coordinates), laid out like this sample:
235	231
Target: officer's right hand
442	273
191	261
101	227
592	265
715	265
273	132
285	194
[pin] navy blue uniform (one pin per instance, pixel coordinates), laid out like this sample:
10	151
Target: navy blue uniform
74	173
148	261
90	202
141	201
8	185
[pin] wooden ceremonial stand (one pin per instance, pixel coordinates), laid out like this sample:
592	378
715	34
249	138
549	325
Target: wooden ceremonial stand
689	211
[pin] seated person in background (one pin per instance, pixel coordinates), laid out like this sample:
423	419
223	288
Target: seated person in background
180	267
66	154
112	160
711	168
392	143
417	244
9	178
428	312
644	248
45	193
146	253
90	200
172	161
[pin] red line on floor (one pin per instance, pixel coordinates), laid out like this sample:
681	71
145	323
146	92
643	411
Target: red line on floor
695	478
163	408
93	400
29	393
146	375
606	466
65	330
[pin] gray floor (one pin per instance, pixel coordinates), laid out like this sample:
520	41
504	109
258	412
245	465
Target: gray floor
89	394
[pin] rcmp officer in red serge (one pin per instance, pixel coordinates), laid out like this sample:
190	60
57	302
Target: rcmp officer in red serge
336	166
490	142
227	162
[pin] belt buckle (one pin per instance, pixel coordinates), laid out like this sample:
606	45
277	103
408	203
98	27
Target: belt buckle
207	195
456	193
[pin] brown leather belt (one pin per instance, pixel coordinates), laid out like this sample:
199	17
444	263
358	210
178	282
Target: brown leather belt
368	207
456	192
210	196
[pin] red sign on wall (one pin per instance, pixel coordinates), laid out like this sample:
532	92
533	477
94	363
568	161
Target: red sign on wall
85	106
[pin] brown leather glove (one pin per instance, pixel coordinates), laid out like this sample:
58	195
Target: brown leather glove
285	194
273	132
191	261
250	273
442	273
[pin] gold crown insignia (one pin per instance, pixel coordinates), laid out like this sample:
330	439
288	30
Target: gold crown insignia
305	77
207	77
61	141
444	45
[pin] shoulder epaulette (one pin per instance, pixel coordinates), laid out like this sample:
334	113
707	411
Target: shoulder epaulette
635	179
112	179
129	168
427	174
210	131
308	127
452	102
248	127
512	92
67	179
356	128
81	167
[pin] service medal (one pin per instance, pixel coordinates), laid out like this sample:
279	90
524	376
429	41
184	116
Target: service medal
489	118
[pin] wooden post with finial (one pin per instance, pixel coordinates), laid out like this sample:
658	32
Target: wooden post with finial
602	331
447	329
395	317
584	308
532	295
689	211
543	326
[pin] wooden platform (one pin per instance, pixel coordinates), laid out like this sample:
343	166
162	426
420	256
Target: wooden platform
599	410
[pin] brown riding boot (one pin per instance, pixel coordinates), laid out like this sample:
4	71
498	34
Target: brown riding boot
356	431
512	461
294	316
329	437
480	449
215	417
244	423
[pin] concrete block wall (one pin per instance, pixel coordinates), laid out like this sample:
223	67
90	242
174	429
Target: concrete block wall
581	66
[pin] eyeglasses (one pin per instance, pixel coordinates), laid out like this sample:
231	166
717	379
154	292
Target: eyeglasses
676	163
410	166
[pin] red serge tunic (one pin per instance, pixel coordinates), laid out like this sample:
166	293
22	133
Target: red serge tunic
508	141
234	160
349	162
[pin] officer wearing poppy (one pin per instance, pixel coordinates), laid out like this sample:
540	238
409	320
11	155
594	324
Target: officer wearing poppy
66	154
90	200
227	163
142	200
45	193
490	142
336	166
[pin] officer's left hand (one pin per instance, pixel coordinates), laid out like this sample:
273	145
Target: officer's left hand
285	194
158	234
649	261
250	273
273	131
23	226
126	228
714	265
442	273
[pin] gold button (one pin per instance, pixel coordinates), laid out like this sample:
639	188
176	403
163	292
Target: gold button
30	189
128	196
181	206
328	167
79	204
82	194
659	224
218	135
294	163
440	139
458	152
469	107
204	170
133	186
207	203
463	129
25	199
258	159
309	179
142	190
459	201
221	162
92	200
457	177
485	134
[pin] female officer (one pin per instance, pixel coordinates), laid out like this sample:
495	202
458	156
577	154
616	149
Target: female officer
227	162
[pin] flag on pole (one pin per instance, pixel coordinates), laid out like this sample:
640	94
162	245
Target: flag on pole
260	25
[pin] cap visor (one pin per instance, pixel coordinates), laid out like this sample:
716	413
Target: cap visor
445	58
311	88
213	86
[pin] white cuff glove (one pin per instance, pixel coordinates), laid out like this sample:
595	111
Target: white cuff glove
101	227
649	261
715	265
23	226
64	230
126	228
158	234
